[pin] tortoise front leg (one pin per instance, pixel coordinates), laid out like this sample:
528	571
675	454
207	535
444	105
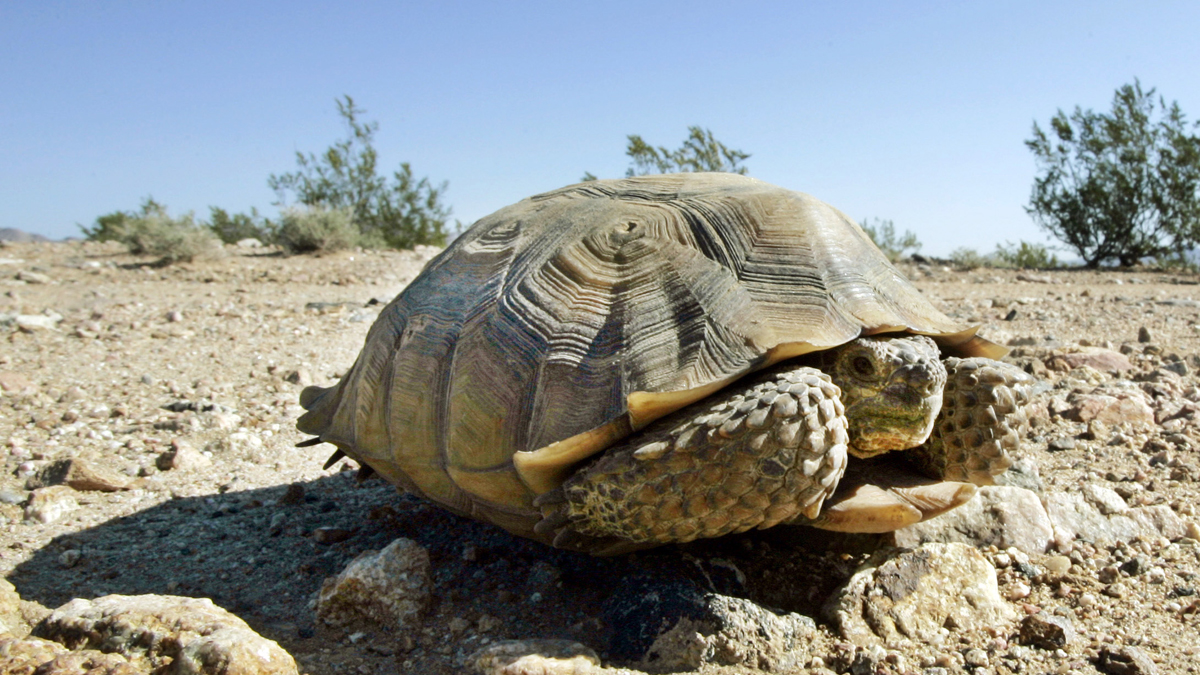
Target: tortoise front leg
982	421
765	453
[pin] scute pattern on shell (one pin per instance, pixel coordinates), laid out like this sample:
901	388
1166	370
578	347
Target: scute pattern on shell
539	323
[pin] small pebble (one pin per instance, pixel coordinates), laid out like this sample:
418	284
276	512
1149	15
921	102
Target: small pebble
1018	591
331	535
1060	444
1057	564
976	657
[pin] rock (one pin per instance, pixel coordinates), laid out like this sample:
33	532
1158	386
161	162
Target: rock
33	277
1103	360
1047	631
1022	474
331	535
732	632
1159	521
10	608
1125	661
79	474
48	504
15	383
1058	565
390	587
1002	516
1105	499
976	658
241	444
32	323
300	376
1177	367
249	242
192	634
1193	531
182	456
1061	444
1127	407
914	593
535	657
86	662
1143	335
1073	517
22	657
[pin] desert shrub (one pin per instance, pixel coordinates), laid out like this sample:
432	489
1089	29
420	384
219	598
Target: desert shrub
315	230
1120	186
700	151
1184	262
171	239
401	212
232	228
894	246
1025	256
112	226
152	231
969	259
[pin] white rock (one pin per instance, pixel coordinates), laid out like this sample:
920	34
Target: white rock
192	635
914	593
1000	515
391	587
48	504
1105	499
535	657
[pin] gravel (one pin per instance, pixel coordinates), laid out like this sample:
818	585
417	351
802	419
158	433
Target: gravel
168	397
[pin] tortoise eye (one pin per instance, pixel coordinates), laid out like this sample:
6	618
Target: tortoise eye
863	366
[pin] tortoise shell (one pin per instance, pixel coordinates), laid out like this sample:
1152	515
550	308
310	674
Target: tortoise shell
558	325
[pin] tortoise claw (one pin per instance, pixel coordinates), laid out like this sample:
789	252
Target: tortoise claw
333	459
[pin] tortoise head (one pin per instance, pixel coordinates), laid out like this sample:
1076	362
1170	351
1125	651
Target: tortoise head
892	390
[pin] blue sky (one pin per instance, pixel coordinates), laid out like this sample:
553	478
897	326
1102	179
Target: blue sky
913	111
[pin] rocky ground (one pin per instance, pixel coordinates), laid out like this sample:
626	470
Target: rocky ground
146	416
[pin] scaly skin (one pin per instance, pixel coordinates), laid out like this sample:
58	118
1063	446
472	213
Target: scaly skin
982	420
763	453
892	390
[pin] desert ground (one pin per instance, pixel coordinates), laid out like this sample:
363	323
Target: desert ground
175	389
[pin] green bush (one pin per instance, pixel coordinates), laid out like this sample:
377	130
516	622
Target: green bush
151	231
1025	256
894	246
171	239
232	228
401	212
969	259
316	230
112	226
1123	185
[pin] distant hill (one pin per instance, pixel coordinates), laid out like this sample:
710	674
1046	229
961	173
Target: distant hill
13	234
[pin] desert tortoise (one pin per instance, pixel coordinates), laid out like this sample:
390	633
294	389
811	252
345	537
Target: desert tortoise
582	368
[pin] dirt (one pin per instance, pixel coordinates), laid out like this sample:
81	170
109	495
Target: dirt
210	357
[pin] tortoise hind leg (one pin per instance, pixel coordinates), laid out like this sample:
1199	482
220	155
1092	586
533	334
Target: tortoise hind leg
982	421
765	453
